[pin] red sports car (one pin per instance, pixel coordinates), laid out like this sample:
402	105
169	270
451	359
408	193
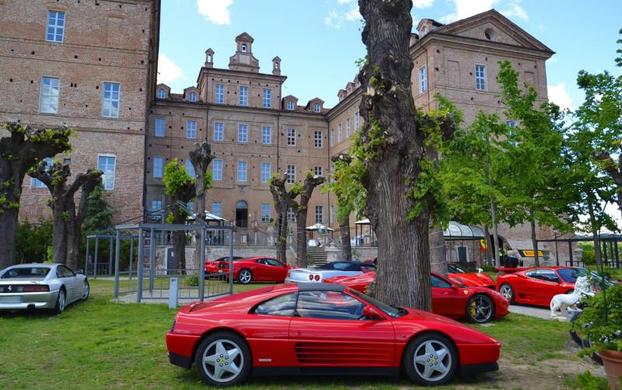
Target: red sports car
213	266
256	269
469	279
317	328
476	304
536	286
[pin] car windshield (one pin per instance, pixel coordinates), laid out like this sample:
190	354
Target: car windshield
570	275
26	272
454	269
391	311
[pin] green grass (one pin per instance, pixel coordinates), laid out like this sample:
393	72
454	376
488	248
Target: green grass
101	344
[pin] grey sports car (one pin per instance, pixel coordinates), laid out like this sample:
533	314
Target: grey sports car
41	286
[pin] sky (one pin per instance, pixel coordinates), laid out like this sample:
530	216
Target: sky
319	41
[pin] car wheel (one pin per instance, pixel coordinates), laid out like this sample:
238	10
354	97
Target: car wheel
223	359
430	359
245	276
480	308
86	290
507	292
61	301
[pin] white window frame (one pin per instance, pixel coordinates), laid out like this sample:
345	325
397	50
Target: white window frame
105	179
58	29
219	94
161	120
156	204
347	128
219	131
357	117
266	212
161	93
318	139
291	215
318	171
114	113
266	135
339	133
291	136
317	107
191	131
423	79
291	174
480	79
48	92
242	133
161	167
290	105
242	171
217	167
192	97
319	211
265	172
267	98
243	95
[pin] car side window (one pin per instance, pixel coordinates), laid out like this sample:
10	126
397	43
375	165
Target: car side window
274	263
284	305
532	274
439	283
548	276
64	272
329	305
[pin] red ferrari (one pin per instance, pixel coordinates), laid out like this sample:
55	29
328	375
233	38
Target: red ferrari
213	266
256	269
322	329
536	286
476	304
469	279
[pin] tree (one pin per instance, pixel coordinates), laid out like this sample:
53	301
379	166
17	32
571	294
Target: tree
19	151
32	241
201	157
98	215
180	187
281	198
399	162
67	220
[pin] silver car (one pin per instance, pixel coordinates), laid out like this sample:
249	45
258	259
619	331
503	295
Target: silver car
41	286
321	272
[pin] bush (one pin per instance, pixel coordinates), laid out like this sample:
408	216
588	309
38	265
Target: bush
192	280
587	381
32	241
588	252
489	268
601	320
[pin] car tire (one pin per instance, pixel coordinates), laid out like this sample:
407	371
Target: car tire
430	359
480	309
86	290
223	359
245	276
508	292
61	301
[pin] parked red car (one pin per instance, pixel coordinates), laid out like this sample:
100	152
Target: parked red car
469	279
256	269
476	304
318	328
536	286
212	267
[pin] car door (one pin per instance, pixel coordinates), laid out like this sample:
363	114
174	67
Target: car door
259	270
447	300
277	271
330	331
547	286
68	279
523	285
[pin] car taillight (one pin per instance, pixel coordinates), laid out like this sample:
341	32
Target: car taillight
317	278
310	277
36	288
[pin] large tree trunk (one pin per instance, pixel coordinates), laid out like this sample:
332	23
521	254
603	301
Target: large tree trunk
495	233
534	241
179	245
395	148
281	200
346	244
200	157
59	232
438	259
301	238
8	227
74	225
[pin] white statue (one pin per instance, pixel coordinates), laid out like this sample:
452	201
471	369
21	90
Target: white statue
561	302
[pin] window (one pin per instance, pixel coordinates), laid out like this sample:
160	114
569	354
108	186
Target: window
49	94
265	172
242	133
423	79
318	171
107	164
56	26
347	127
242	171
158	167
219	94
291	215
290	105
217	209
284	305
339	134
317	139
191	129
160	127
243	95
265	212
111	99
219	131
439	283
329	305
317	107
217	170
480	77
156	205
291	137
319	214
244	48
332	137
192	97
161	93
356	121
291	174
266	135
35	183
267	98
190	168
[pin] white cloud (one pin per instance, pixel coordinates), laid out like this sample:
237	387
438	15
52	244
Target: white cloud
168	71
559	95
466	8
215	11
515	10
353	15
422	3
335	19
344	1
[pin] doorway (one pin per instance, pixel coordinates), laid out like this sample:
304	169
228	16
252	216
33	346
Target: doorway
241	214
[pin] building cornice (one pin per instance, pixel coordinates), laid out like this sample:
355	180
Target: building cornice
345	103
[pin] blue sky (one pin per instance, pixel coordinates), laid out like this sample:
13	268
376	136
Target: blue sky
319	40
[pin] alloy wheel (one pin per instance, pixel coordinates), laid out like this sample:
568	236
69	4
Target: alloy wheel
480	308
223	360
432	360
507	292
245	276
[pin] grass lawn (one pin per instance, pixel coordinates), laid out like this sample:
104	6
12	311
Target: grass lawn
100	344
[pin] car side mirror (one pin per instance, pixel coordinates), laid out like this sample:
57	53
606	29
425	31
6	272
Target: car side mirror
371	313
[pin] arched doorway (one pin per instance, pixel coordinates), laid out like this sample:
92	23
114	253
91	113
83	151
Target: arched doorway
241	214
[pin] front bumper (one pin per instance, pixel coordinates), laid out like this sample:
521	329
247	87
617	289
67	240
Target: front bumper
25	301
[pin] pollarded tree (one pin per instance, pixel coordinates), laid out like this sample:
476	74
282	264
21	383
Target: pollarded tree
281	198
180	187
21	149
67	220
201	157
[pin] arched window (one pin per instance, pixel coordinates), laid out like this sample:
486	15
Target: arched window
244	48
241	214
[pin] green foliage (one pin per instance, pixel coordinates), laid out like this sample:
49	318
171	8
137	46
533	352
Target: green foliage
588	252
601	320
192	280
32	241
587	381
207	180
176	177
98	215
346	184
